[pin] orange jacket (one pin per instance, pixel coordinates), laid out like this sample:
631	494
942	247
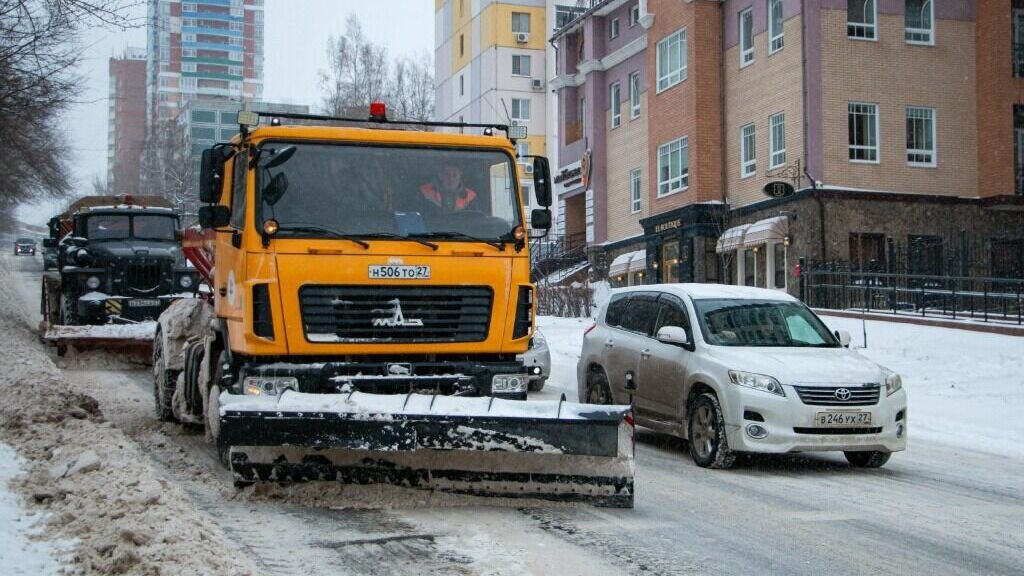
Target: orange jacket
463	200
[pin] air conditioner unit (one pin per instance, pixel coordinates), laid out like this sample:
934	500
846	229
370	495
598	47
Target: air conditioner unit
522	37
537	84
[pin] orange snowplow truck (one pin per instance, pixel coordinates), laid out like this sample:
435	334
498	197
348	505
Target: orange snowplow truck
370	295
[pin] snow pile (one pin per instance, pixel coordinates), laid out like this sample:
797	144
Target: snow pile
96	485
18	551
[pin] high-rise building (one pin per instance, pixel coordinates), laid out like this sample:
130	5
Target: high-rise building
203	50
126	132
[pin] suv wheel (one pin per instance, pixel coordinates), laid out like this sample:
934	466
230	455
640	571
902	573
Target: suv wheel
869	459
709	445
598	391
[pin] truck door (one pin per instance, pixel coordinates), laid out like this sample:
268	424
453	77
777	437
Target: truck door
662	368
229	271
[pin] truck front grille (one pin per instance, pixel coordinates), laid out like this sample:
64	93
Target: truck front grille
387	314
866	395
143	277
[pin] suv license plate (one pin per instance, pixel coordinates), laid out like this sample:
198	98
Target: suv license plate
399	272
842	419
143	303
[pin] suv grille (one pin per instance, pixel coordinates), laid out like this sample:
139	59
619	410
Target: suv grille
866	395
395	313
142	276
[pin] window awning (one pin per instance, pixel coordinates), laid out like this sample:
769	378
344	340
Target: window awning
732	238
628	262
773	229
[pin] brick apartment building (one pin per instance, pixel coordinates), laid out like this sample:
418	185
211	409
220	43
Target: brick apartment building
899	125
126	133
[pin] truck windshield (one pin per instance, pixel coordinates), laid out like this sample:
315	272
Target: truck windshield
761	323
123	226
153	227
358	190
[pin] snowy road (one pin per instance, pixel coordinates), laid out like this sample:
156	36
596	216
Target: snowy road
935	509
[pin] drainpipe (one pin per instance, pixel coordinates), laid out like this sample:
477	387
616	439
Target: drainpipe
814	186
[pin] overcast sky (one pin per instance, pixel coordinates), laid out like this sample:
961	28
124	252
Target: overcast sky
295	50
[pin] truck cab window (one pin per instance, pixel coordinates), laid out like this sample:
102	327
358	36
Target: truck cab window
238	190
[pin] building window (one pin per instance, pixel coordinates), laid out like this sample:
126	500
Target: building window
861	16
616	104
462	85
863	127
236	26
673	167
635	192
746	37
671	60
613	29
522	149
235	70
779	265
462	44
634	95
748	151
776	40
188	84
235	41
634	15
188	37
920	136
1018	42
520	65
188	66
186	7
777	139
1018	148
919	22
520	22
521	109
165	53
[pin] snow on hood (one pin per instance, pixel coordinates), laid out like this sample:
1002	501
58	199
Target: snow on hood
800	365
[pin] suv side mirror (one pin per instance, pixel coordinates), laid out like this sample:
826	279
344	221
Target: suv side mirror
211	174
540	219
673	335
542	181
844	338
215	216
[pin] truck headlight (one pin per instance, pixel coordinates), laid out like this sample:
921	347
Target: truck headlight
269	385
893	383
83	258
757	382
92	282
185	281
508	383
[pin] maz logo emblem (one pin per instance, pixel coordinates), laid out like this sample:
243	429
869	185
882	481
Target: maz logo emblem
397	318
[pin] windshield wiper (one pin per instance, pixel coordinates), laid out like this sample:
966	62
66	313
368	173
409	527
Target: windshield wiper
498	244
430	245
322	230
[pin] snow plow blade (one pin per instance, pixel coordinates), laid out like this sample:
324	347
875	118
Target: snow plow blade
130	341
552	450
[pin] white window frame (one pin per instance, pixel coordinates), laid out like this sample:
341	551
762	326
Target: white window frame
188	37
634	95
670	78
522	149
930	32
679	182
185	53
864	27
521	58
615	101
635	191
878	141
520	20
517	109
748	166
777	142
186	7
933	153
613	29
634	15
776	38
188	66
746	43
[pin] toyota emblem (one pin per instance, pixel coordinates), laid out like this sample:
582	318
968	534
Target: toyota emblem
843	394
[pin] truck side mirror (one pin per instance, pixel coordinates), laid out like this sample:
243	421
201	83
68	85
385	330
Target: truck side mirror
211	174
540	219
542	181
215	216
49	243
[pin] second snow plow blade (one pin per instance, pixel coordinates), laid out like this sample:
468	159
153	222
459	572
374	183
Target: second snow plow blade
483	446
133	342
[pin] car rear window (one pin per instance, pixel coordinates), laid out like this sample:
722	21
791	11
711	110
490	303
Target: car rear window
640	314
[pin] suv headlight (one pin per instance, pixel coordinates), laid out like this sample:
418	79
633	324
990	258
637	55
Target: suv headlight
757	382
893	383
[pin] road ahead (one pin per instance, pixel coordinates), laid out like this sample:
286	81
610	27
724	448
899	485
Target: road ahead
932	510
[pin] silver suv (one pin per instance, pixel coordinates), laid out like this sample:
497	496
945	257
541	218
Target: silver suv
736	369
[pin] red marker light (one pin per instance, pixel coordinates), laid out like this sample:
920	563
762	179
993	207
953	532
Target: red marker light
378	111
588	330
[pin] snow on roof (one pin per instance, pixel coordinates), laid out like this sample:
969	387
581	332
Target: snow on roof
725	291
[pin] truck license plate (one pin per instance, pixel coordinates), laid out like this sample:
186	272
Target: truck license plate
143	303
392	272
842	419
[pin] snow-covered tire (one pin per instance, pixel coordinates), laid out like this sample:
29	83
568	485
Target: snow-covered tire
536	385
709	445
164	381
868	459
212	416
598	390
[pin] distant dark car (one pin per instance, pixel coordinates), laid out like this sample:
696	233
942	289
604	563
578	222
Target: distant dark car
24	246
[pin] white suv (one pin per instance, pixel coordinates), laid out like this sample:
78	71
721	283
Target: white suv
737	369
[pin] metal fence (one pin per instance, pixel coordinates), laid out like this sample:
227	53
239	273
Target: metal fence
954	297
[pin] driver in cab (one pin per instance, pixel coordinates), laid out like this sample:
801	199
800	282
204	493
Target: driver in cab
447	193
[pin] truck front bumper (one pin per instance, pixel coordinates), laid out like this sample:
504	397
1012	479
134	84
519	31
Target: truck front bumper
103	308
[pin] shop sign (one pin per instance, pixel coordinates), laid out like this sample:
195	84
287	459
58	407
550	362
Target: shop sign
670	225
778	189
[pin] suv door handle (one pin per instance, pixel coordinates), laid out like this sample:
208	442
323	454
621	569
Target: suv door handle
645	353
609	343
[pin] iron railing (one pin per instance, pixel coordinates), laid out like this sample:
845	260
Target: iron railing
557	252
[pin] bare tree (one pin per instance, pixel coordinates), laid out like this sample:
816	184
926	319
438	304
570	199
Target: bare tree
360	72
99	187
166	168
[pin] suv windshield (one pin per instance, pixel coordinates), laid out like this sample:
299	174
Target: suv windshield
761	323
25	241
357	190
123	226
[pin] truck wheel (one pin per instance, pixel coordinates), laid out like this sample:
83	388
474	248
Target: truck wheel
163	383
869	459
598	391
213	411
709	445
